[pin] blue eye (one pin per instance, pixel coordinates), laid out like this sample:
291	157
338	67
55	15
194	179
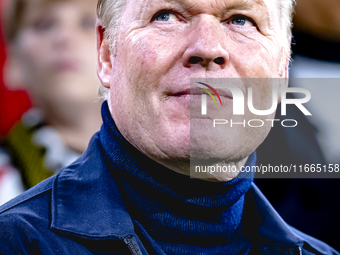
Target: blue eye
241	21
165	16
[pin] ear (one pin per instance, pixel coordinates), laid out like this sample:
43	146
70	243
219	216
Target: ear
104	66
13	72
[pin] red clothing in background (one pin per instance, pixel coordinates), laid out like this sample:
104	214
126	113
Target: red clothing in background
12	103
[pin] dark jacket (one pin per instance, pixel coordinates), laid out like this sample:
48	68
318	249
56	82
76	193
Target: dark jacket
81	211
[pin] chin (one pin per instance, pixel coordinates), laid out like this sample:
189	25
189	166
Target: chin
217	150
208	157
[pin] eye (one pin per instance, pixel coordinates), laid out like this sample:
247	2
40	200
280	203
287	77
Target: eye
43	24
241	20
165	16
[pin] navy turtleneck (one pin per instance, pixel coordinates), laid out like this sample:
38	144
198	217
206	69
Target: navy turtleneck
181	214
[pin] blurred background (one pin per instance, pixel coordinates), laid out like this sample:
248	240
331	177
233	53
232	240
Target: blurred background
48	99
310	205
12	103
49	108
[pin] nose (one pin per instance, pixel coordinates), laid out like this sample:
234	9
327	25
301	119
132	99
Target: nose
204	47
62	38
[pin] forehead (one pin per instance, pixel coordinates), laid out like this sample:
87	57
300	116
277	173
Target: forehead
36	8
41	3
18	11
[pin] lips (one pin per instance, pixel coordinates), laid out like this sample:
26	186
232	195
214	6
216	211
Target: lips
195	91
65	66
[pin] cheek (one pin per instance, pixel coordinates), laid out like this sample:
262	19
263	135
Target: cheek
35	56
86	51
151	52
253	57
131	78
139	51
144	61
139	59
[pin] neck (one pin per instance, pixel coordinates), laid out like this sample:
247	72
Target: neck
74	122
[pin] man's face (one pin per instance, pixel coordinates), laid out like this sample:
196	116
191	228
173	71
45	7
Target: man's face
161	45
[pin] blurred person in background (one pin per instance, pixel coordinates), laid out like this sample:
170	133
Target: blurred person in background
12	105
51	50
316	54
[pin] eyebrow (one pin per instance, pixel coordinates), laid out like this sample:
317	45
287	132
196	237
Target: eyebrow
248	3
244	4
233	4
260	2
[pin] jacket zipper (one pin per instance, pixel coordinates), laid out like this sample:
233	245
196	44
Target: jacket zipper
132	245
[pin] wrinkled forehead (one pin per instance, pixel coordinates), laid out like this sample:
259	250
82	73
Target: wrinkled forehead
214	7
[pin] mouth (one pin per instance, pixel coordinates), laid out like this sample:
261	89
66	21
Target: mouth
65	66
198	91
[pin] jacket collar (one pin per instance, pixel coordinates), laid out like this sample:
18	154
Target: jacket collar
260	217
86	202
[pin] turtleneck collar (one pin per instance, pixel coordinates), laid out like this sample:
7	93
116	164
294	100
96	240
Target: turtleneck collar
198	216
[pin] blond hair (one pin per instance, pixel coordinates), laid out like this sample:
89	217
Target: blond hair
286	9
